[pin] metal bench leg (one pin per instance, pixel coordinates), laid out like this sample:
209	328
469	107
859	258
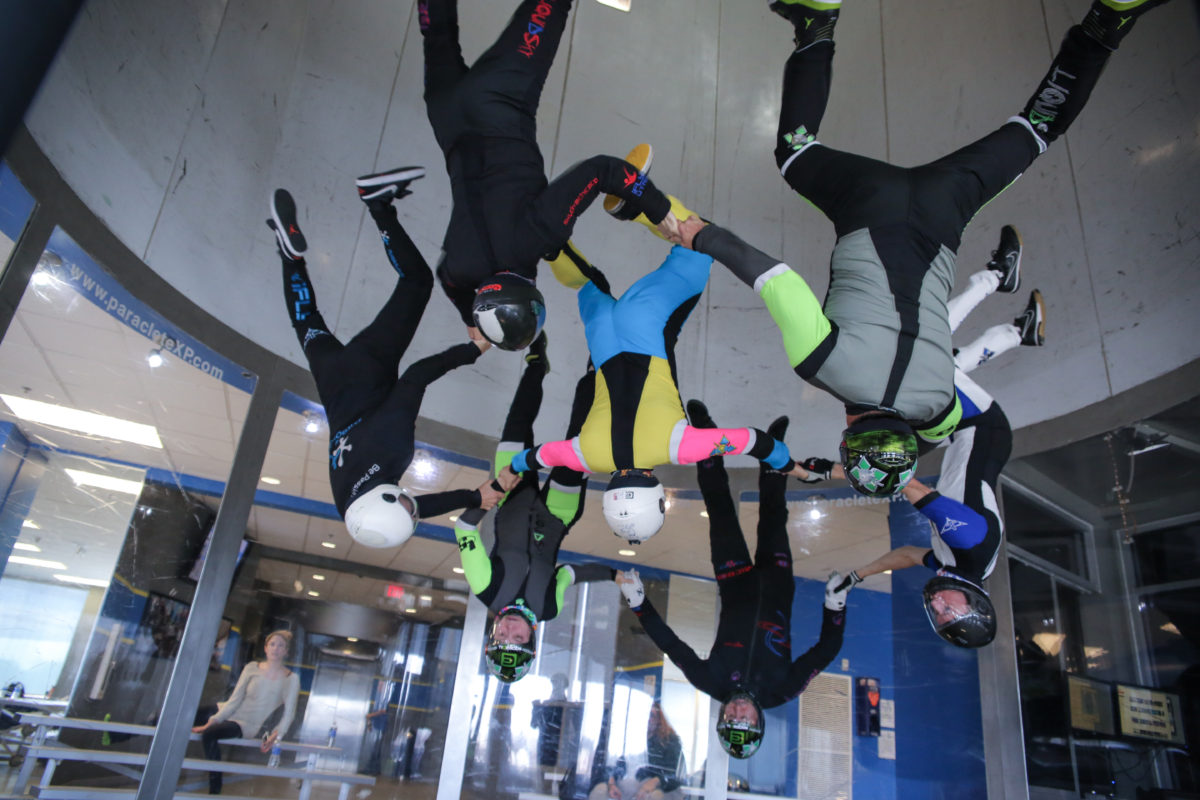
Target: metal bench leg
26	773
51	763
344	792
305	789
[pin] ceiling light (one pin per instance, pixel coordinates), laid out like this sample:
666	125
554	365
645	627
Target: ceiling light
454	518
267	479
155	358
704	514
73	419
426	598
99	481
457	570
627	552
423	469
311	593
29	548
330	545
351	638
318	577
814	513
887	572
31	524
41	278
312	421
82	581
410	611
619	5
36	562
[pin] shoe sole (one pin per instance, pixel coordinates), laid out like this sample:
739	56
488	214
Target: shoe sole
380	179
641	157
290	238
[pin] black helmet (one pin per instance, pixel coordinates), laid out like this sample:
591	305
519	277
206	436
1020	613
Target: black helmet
740	738
969	623
879	455
509	661
509	311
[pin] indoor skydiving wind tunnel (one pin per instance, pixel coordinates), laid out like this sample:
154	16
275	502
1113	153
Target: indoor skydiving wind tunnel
191	600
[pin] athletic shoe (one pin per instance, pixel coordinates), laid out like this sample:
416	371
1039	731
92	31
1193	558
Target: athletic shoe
384	187
778	428
641	157
1108	21
1032	322
537	352
812	19
1006	260
698	415
292	244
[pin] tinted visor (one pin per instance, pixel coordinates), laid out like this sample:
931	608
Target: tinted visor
740	739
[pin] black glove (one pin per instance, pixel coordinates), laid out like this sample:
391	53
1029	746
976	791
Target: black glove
818	469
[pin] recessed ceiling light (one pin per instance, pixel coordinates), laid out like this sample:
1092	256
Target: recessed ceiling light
155	358
330	545
627	552
312	421
457	570
814	513
887	572
270	481
351	638
410	611
99	481
454	518
318	577
427	598
42	278
36	562
423	469
28	548
704	514
311	593
73	419
82	581
31	524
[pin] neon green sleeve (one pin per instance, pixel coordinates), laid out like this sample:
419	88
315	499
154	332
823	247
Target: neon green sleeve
563	577
564	503
476	564
942	428
797	312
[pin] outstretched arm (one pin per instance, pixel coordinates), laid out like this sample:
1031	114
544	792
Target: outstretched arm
821	654
429	369
900	558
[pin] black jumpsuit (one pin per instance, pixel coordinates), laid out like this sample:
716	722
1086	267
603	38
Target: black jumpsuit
506	216
753	648
372	414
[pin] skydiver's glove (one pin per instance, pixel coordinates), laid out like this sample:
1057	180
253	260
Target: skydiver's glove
631	588
837	587
818	469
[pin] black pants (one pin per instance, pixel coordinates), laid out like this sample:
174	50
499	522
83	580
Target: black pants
738	580
356	376
212	750
920	208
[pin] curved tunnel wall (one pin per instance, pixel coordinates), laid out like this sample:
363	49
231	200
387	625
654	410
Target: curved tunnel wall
173	123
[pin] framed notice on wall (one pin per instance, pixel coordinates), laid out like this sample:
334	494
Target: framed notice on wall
1149	714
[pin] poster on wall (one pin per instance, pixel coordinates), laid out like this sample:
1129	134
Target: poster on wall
1149	714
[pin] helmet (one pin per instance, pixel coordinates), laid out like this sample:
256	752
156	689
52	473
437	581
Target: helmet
509	311
969	621
879	455
740	737
509	661
635	504
380	519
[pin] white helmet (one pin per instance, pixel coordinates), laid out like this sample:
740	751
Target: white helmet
635	505
380	519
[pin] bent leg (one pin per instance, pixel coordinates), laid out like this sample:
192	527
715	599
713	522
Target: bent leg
212	751
982	284
994	341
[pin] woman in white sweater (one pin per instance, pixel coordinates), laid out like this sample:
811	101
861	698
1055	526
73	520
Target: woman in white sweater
262	687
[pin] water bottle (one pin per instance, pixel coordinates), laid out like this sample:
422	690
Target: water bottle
332	734
273	761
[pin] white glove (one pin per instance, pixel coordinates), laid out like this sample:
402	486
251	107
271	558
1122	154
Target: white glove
837	587
631	587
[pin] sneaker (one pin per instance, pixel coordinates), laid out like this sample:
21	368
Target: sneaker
537	352
1006	260
384	187
1108	21
698	415
812	19
292	244
641	157
1032	322
778	428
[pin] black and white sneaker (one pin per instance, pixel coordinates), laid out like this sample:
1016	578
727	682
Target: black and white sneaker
384	187
1006	260
292	244
1032	322
698	415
